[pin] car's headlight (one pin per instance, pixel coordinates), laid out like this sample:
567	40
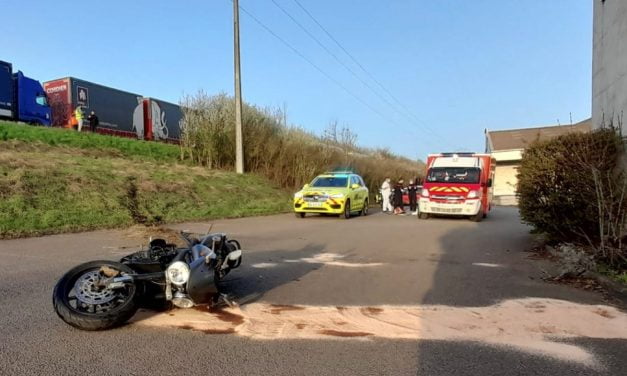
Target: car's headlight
178	273
337	195
424	193
474	194
298	195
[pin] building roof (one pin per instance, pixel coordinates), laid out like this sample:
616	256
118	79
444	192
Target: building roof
513	139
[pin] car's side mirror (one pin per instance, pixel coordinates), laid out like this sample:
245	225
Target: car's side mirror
305	186
355	186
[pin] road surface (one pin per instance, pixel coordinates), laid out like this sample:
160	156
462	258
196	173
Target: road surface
367	296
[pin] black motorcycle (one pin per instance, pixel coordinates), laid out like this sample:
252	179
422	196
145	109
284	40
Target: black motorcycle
102	294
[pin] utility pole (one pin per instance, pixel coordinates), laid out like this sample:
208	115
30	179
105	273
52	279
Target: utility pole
239	144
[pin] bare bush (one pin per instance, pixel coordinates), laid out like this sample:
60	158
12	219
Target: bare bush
289	156
605	160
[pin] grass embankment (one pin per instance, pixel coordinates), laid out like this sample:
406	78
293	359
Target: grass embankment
55	181
153	151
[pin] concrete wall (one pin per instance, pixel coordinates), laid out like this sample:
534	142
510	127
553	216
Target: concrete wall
609	62
507	155
505	180
504	184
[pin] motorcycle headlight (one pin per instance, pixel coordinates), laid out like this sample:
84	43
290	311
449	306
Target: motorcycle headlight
178	273
298	195
424	193
473	194
337	195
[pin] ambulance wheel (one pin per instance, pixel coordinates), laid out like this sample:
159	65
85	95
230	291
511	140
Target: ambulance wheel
364	211
300	215
478	217
423	215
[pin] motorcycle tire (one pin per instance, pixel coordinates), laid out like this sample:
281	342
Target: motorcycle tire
81	318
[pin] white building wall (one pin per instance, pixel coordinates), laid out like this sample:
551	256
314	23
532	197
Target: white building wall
508	155
505	183
609	64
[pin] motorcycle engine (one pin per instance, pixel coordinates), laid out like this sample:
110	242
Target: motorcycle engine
158	251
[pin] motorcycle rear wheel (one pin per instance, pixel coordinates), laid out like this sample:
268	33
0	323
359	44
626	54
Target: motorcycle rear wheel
81	304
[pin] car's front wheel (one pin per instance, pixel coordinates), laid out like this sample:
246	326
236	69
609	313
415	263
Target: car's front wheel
300	215
347	210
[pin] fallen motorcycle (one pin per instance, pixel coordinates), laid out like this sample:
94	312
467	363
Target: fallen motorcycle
102	294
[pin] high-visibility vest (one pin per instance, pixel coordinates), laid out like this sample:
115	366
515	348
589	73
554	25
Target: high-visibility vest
78	113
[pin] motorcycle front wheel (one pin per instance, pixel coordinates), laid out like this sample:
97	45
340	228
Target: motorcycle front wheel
81	302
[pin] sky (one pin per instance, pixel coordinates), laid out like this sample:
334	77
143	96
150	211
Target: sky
443	70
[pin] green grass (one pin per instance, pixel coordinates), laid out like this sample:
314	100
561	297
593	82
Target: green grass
616	275
48	189
153	151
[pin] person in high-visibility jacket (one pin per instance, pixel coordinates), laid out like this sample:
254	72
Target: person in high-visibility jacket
78	114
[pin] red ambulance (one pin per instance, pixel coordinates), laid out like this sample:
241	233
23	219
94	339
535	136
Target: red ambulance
457	184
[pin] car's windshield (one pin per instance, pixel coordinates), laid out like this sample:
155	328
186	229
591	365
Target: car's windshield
454	175
330	181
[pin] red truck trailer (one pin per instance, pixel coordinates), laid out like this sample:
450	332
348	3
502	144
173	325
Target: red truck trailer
458	184
120	113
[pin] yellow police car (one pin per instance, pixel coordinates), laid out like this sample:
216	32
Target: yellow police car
340	193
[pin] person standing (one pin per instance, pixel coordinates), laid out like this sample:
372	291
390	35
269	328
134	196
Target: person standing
93	121
386	192
78	114
412	192
398	197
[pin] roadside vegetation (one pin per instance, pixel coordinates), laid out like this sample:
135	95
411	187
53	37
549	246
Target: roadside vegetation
123	147
573	189
48	189
57	180
287	155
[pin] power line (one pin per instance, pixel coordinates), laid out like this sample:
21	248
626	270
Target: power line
324	47
329	77
331	53
363	68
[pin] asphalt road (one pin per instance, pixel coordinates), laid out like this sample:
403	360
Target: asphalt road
379	260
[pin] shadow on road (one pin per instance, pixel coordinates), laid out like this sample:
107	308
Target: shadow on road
266	270
470	358
484	263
